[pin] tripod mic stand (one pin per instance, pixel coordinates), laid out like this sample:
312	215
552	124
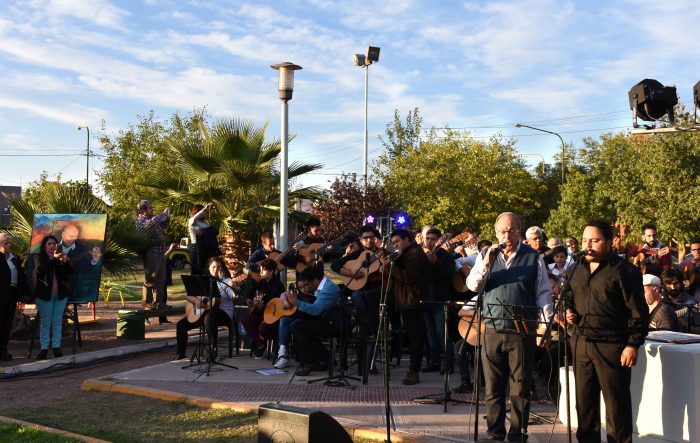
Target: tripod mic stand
446	392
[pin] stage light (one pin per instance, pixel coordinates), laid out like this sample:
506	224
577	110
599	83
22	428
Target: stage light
369	219
401	220
650	101
696	94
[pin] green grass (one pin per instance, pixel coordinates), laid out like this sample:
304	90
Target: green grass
125	418
13	432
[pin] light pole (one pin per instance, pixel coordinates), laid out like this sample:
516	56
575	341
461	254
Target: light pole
87	155
563	146
285	88
363	61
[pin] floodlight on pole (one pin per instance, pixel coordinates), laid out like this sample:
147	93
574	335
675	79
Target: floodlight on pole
650	101
363	61
87	155
285	88
696	100
563	146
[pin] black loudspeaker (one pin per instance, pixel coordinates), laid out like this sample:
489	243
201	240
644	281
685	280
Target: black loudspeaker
279	423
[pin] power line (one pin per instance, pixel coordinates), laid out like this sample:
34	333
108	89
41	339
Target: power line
42	155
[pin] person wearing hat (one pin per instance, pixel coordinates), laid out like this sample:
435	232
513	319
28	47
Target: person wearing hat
661	315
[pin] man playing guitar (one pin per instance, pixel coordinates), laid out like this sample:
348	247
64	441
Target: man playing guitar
362	267
259	289
652	257
691	270
215	313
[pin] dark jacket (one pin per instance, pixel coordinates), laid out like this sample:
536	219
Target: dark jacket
410	277
5	278
441	273
42	278
609	302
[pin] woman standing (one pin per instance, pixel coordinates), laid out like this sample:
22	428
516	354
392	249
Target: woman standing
50	281
13	287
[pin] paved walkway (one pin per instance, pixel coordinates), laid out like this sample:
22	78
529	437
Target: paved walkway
360	410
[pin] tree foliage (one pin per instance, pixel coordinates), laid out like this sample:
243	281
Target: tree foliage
451	180
635	180
346	206
188	160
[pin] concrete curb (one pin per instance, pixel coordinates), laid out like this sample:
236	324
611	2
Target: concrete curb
87	357
106	384
61	432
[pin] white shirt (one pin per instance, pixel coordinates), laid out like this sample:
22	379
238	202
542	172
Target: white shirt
227	296
195	225
13	269
543	291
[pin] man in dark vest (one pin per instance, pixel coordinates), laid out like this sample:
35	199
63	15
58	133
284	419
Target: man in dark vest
514	280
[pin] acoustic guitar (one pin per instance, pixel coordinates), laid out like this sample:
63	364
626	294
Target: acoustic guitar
690	271
277	256
274	310
193	313
315	251
642	260
370	262
469	333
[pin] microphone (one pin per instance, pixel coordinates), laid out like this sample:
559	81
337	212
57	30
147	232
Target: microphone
501	246
579	254
394	255
367	260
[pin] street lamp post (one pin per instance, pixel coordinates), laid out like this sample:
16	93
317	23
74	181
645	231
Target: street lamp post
87	155
563	146
363	61
285	88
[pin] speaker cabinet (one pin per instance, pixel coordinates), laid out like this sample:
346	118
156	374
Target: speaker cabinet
279	423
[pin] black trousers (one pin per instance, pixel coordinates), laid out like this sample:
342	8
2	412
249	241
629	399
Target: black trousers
597	369
7	314
415	331
211	319
507	359
307	339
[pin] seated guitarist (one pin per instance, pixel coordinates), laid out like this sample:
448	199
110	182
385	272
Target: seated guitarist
259	289
323	319
657	258
218	313
365	300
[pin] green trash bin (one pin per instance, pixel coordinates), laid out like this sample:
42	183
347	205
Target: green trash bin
130	325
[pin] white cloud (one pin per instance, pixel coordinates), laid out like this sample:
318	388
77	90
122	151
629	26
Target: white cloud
71	113
101	12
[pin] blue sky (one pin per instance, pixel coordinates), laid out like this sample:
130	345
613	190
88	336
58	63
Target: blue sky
563	66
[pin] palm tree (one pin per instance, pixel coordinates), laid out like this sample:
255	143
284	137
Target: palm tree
123	241
233	165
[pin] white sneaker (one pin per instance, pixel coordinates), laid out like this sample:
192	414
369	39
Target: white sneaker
282	363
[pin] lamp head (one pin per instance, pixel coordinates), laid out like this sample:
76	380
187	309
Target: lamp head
372	54
359	60
286	79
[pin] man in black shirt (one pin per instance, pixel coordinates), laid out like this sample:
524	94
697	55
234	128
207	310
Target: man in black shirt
259	289
609	321
662	317
364	300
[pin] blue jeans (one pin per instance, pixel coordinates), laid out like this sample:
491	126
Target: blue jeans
283	334
434	318
51	320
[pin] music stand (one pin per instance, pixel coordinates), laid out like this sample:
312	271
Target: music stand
196	286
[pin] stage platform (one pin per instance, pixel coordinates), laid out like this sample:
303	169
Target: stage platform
359	410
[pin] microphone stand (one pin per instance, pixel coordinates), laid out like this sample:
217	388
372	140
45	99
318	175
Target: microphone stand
384	327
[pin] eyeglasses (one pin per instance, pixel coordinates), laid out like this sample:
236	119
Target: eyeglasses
510	231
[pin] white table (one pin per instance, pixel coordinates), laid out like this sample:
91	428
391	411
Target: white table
665	394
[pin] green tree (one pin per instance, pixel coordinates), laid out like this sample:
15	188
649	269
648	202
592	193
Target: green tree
451	180
401	136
